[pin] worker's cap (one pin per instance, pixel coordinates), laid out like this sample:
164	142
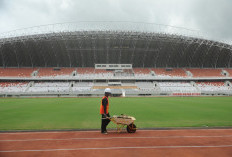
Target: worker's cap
107	90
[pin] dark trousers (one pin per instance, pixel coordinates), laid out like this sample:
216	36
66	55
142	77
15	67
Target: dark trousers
104	122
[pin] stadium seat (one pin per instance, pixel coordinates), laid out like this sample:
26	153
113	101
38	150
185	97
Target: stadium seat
229	71
49	87
170	72
212	86
16	72
55	72
206	72
179	87
13	87
142	72
94	73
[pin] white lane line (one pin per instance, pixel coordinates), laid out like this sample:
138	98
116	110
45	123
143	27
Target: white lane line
110	138
48	132
188	130
110	148
61	132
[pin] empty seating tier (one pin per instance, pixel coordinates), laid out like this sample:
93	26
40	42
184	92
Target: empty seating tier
206	72
13	87
93	73
16	72
85	70
141	70
115	87
176	87
129	71
55	72
97	71
212	86
49	87
13	84
172	72
82	86
229	71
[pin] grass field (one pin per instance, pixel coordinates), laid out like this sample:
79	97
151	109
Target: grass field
83	113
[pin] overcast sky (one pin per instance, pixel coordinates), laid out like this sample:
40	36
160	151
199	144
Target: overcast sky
213	17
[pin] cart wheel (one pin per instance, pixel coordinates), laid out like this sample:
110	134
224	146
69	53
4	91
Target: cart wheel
131	128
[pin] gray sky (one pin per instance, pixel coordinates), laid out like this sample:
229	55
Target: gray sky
213	17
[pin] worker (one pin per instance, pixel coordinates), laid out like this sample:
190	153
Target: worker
104	111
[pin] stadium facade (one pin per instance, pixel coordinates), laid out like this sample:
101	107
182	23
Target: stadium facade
81	46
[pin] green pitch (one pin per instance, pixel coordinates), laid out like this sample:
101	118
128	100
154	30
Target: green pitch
83	113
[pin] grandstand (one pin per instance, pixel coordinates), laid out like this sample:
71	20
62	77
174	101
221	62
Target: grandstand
54	72
92	82
132	62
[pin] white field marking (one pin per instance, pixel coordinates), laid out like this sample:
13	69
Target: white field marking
110	148
61	132
111	138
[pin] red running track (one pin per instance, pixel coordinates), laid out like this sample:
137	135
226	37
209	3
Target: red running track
146	143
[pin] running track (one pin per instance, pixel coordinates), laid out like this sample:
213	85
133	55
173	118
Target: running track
146	143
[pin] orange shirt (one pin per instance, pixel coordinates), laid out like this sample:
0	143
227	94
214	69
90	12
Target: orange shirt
102	107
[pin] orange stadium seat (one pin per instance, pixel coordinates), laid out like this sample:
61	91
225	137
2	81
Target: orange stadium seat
100	71
141	70
212	86
91	71
211	83
85	70
16	72
206	72
55	71
175	72
12	84
129	71
229	71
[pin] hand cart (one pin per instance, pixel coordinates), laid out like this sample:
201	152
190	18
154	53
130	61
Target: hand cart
124	120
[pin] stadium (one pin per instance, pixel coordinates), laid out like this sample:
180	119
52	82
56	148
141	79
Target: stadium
133	59
175	82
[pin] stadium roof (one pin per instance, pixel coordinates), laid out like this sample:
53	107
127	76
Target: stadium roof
84	44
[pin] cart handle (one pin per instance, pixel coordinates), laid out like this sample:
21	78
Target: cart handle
108	118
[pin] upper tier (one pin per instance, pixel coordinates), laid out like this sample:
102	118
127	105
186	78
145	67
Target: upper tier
93	73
